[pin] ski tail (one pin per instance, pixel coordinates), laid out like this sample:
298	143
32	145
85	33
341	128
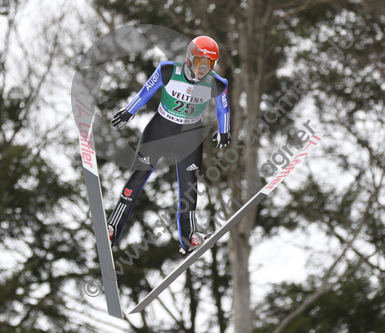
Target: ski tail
84	118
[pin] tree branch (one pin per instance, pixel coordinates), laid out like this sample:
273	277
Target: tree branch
318	294
324	288
306	5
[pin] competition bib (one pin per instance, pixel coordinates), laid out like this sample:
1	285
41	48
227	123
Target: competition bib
183	102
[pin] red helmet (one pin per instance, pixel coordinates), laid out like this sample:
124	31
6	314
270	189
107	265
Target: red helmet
202	51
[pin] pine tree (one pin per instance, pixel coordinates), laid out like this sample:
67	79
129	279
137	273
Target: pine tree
261	41
42	245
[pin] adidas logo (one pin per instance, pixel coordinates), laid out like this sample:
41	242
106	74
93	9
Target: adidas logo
192	167
145	160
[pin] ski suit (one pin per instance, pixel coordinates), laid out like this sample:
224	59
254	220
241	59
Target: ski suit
176	128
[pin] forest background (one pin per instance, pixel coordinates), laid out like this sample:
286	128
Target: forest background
309	258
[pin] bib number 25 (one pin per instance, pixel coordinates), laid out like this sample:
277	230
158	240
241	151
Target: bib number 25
188	108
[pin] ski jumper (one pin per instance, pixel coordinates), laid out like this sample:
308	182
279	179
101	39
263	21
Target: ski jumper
176	128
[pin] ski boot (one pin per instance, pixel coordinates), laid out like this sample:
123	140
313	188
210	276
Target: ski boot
197	238
111	233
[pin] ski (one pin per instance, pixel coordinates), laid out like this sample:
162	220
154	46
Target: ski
230	223
84	118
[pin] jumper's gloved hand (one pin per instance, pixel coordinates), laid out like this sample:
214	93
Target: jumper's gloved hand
121	118
222	139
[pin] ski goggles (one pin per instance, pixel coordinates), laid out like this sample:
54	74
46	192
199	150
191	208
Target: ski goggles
199	62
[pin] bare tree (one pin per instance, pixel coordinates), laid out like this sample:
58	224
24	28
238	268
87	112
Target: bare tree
39	231
257	40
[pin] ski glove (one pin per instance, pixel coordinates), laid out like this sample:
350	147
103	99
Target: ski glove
222	139
121	118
